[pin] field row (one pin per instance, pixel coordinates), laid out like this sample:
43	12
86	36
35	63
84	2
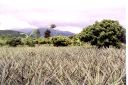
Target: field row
62	66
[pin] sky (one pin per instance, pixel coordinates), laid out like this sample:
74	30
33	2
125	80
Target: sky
68	15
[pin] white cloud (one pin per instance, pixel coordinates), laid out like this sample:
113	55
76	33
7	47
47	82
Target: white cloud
71	13
8	22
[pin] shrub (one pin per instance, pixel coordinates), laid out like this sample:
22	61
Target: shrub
45	41
14	42
104	33
60	41
28	41
42	41
2	42
76	42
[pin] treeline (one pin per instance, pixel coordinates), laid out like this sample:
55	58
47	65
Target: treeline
101	34
30	41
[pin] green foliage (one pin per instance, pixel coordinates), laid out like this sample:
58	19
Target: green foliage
122	37
101	34
14	42
60	41
104	33
42	41
76	42
45	41
47	33
2	42
28	41
3	37
10	33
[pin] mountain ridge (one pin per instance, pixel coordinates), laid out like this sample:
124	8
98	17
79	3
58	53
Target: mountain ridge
10	33
54	32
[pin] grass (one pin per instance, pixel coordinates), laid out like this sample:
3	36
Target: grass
45	65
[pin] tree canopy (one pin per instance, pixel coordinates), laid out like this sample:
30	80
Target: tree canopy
104	33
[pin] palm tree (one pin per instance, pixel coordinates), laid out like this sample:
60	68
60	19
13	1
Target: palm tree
52	26
48	32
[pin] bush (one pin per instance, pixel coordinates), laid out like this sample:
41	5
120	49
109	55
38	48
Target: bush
42	41
28	41
14	42
76	42
104	34
45	41
2	42
60	41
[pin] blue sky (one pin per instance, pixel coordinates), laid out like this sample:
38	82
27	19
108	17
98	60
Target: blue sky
68	15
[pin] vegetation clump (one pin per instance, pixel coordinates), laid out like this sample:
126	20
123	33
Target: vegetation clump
28	41
104	34
42	41
76	42
14	42
60	41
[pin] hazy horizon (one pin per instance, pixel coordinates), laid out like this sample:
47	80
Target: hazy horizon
68	15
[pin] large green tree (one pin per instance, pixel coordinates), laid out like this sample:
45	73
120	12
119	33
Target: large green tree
104	33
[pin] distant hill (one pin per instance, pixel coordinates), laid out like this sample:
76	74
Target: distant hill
54	32
10	33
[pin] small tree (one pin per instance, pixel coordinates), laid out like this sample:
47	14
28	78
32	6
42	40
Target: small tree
47	33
